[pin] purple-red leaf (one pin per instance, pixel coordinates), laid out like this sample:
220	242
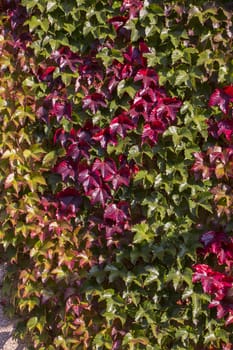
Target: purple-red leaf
120	125
104	136
107	167
69	203
77	150
148	77
134	55
99	194
61	136
167	108
61	109
119	213
151	132
222	98
122	177
64	57
89	179
66	169
225	127
118	21
94	102
133	6
200	167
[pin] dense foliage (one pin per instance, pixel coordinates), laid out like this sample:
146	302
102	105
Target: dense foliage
116	155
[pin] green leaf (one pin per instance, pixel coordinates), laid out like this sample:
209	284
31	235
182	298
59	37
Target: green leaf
32	323
51	5
181	77
143	232
50	159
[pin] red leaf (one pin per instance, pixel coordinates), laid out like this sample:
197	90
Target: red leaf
122	177
60	135
134	55
45	73
104	136
69	203
89	179
106	167
200	167
64	57
118	213
99	194
167	108
120	125
133	6
66	169
118	21
225	127
222	98
77	150
151	132
94	102
61	109
148	77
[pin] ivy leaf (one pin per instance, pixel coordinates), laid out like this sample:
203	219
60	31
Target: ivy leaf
120	125
94	102
148	77
222	98
99	194
106	167
118	213
32	323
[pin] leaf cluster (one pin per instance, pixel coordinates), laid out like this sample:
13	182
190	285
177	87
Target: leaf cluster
104	108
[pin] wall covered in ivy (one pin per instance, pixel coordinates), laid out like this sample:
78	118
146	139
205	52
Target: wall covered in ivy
116	173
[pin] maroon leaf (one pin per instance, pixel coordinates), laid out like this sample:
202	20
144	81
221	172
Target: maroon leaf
151	132
89	179
86	132
133	6
148	77
107	167
18	16
43	111
111	230
213	282
61	109
139	107
61	136
118	21
121	124
225	127
134	55
119	213
127	71
220	244
99	194
167	108
94	102
216	155
122	177
201	167
64	57
213	128
66	169
77	150
90	69
222	98
45	73
104	136
69	203
114	74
